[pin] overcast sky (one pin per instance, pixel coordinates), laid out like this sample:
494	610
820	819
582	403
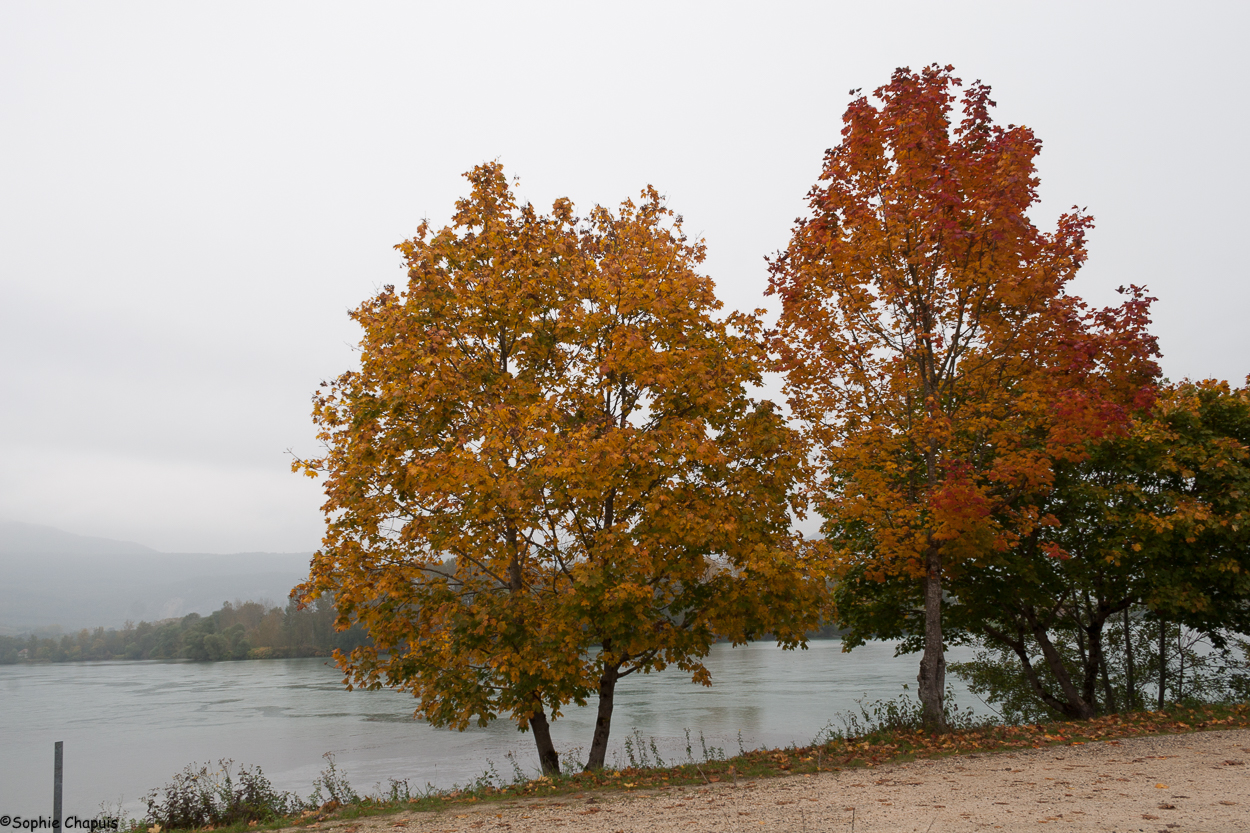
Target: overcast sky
193	195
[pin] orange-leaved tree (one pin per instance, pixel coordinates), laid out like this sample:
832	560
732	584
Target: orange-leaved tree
931	350
547	473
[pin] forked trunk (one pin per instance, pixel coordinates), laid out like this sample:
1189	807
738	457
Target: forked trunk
603	720
547	754
1075	705
932	678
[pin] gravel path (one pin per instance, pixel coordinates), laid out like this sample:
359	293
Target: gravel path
1174	784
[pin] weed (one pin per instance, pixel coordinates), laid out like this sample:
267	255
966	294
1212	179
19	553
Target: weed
570	762
198	797
335	786
636	751
659	762
629	751
488	780
518	774
397	791
711	753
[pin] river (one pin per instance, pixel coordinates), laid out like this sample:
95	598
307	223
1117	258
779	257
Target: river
129	726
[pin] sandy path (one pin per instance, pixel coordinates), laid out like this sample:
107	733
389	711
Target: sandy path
1174	783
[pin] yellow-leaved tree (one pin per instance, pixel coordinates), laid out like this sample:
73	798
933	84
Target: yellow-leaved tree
548	474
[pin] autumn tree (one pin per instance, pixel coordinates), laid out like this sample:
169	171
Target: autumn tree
932	352
1155	523
547	474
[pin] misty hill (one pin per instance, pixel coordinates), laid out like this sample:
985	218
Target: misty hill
49	577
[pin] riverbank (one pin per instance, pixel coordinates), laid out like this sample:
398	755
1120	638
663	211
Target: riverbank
1188	782
1185	769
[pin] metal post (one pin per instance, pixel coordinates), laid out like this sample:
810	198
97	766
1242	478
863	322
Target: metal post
58	769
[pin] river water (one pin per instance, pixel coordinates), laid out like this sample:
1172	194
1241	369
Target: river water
129	726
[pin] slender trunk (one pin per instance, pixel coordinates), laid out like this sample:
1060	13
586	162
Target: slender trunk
1131	683
1163	663
1035	682
932	677
1019	645
547	754
1180	664
1100	657
603	720
1076	706
1089	665
611	673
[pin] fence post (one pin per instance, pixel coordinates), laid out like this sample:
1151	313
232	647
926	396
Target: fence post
58	769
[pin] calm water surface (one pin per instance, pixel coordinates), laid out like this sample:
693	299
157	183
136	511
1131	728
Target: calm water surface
129	726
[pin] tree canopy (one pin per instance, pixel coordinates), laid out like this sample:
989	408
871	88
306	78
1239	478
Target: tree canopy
1152	524
547	473
932	351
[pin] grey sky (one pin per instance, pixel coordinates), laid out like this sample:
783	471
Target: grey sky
192	195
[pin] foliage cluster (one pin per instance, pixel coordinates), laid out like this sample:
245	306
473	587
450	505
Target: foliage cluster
242	630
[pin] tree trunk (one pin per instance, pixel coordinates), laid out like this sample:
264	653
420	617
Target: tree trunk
1076	706
1180	664
932	678
1089	665
1096	651
603	720
547	754
1030	673
611	672
1163	663
1131	682
1034	681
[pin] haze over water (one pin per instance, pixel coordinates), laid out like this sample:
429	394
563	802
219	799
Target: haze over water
129	726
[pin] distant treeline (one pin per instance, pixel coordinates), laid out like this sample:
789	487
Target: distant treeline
244	630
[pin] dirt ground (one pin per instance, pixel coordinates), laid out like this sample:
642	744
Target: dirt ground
1172	784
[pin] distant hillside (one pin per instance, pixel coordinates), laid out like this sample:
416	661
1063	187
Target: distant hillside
49	577
33	539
